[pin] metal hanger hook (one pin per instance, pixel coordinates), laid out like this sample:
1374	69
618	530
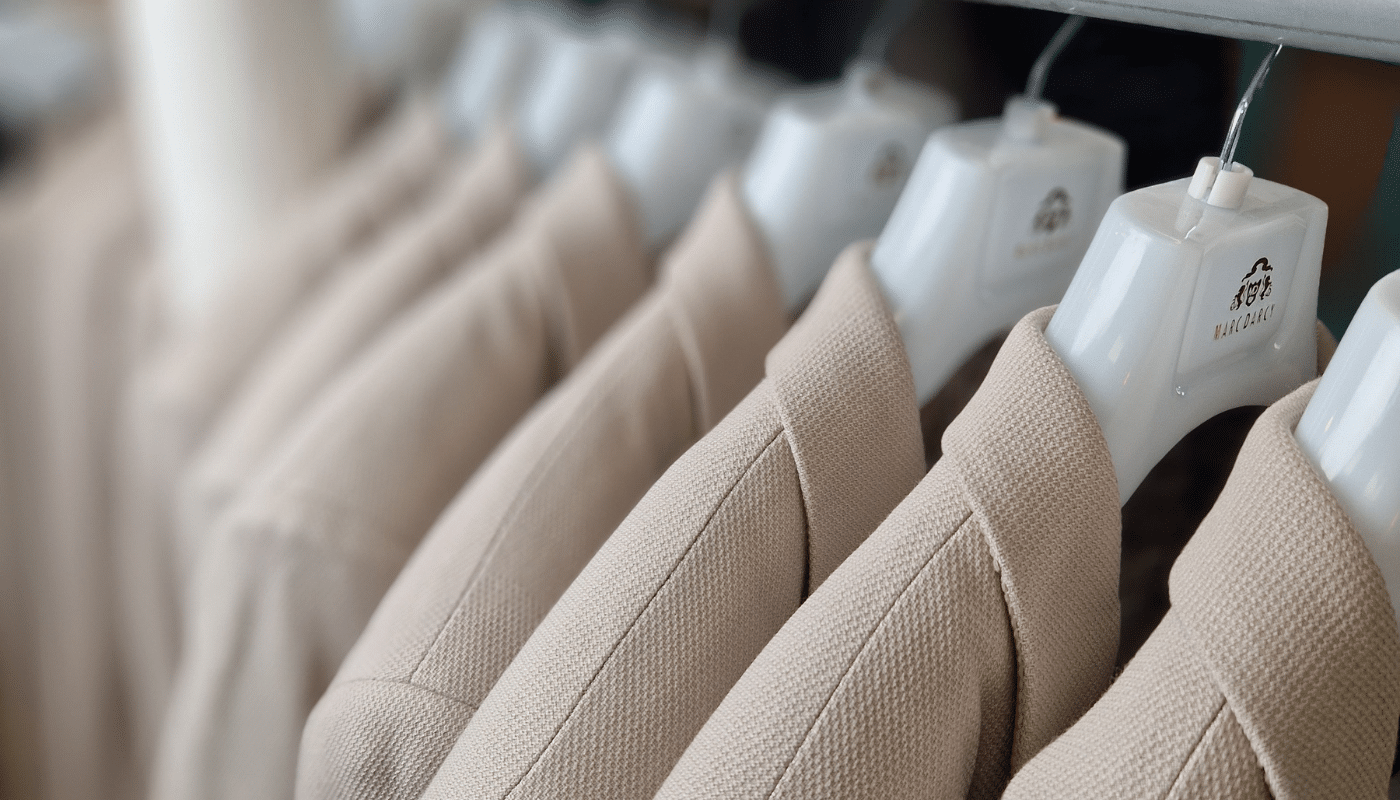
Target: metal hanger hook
1232	138
888	21
726	17
1035	84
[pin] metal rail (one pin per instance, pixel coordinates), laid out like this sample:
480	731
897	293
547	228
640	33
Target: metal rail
1365	28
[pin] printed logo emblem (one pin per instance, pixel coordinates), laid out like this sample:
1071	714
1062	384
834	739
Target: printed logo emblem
1251	291
1052	217
1255	287
1053	213
891	165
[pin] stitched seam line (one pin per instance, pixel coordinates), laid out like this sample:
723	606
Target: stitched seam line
865	645
394	682
318	504
556	448
632	626
687	341
1181	771
275	536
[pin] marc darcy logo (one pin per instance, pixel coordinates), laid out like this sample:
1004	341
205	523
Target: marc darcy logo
1052	216
1053	213
891	164
1255	288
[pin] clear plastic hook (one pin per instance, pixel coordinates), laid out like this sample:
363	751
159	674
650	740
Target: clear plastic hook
726	18
1035	84
888	21
1232	138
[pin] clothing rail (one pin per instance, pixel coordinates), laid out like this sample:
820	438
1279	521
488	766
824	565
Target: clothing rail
1366	28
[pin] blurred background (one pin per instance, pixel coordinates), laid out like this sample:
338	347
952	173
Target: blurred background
1324	124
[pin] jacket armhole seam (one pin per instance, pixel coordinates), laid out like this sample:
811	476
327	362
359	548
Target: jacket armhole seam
1215	719
625	635
846	673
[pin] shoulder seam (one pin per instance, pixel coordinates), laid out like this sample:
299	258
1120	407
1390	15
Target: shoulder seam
846	674
631	627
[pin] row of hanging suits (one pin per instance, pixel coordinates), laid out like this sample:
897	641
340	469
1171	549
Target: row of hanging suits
460	490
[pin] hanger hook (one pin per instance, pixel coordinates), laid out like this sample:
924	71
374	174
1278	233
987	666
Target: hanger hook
1035	85
1232	138
726	17
888	22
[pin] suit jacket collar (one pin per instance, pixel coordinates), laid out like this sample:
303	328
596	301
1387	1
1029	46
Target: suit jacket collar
844	359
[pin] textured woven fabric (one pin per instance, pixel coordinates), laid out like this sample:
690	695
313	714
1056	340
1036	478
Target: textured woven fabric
1170	504
974	625
293	570
616	679
474	200
1277	671
181	385
72	251
530	519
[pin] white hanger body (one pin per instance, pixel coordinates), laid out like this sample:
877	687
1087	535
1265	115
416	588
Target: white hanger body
575	91
47	66
679	126
1351	427
395	38
239	104
1182	310
829	166
492	66
996	217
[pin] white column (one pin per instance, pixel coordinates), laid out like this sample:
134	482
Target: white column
238	104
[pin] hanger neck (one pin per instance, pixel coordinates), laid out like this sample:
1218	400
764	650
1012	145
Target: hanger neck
992	225
1182	309
1350	430
677	126
829	166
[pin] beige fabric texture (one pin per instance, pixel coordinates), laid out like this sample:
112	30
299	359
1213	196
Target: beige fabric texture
474	200
974	625
1276	673
615	681
179	389
73	248
977	623
296	566
529	521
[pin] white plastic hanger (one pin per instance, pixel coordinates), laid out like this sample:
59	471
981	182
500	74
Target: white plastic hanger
1195	296
394	39
493	64
680	125
830	164
676	123
1351	427
580	81
994	221
48	65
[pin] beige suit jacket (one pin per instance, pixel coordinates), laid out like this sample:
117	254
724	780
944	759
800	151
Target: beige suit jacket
472	203
1276	673
977	623
970	630
295	567
176	393
528	522
73	248
636	654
